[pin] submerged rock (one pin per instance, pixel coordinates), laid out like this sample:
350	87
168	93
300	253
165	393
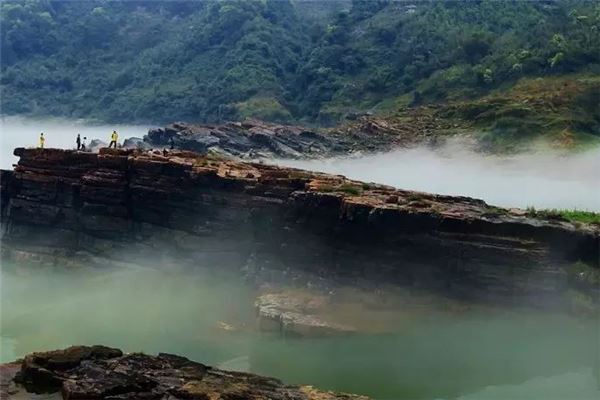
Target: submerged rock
296	314
98	372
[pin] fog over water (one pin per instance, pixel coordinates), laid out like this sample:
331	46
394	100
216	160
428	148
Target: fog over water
432	354
59	132
468	355
546	179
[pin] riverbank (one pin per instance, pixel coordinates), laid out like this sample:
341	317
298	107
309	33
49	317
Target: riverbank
69	208
301	241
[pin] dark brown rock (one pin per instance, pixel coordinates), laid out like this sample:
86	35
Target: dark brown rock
254	139
99	372
43	372
202	210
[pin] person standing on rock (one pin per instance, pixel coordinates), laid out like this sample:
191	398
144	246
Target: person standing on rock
113	139
83	143
78	141
42	140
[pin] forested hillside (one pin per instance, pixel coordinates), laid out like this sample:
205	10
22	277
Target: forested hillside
311	62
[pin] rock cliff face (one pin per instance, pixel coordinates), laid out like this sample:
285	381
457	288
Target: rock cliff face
98	372
68	208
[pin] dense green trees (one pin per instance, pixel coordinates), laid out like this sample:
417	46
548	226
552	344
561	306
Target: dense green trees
277	59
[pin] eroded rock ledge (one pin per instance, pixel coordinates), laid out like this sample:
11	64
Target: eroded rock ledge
99	372
68	208
254	139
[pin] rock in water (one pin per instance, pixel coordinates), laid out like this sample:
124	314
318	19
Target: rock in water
296	314
99	372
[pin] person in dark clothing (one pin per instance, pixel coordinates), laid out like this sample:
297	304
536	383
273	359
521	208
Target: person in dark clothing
78	141
83	143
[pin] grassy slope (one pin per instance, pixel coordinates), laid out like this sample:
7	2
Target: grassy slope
557	111
561	110
586	217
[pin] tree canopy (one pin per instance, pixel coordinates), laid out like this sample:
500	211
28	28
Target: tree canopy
279	60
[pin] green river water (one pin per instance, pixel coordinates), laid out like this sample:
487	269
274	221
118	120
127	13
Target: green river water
467	356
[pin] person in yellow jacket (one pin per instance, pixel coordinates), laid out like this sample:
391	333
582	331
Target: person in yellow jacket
42	140
113	139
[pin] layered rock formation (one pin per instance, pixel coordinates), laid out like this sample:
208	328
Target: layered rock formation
99	372
68	208
253	139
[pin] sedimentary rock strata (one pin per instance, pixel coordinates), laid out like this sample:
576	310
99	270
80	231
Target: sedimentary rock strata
98	372
253	139
69	208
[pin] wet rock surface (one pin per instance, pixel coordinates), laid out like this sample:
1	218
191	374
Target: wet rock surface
296	314
98	372
69	208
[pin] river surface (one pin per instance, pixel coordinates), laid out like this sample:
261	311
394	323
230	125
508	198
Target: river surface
466	355
470	355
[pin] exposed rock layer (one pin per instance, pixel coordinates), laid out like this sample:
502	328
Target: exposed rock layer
252	139
72	208
294	314
99	372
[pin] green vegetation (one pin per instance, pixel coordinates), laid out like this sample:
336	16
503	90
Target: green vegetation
350	189
496	211
326	188
580	216
563	109
306	61
586	217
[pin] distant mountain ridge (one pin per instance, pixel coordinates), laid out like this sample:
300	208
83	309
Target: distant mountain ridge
285	61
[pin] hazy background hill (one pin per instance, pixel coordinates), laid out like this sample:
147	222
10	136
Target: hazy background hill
292	61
